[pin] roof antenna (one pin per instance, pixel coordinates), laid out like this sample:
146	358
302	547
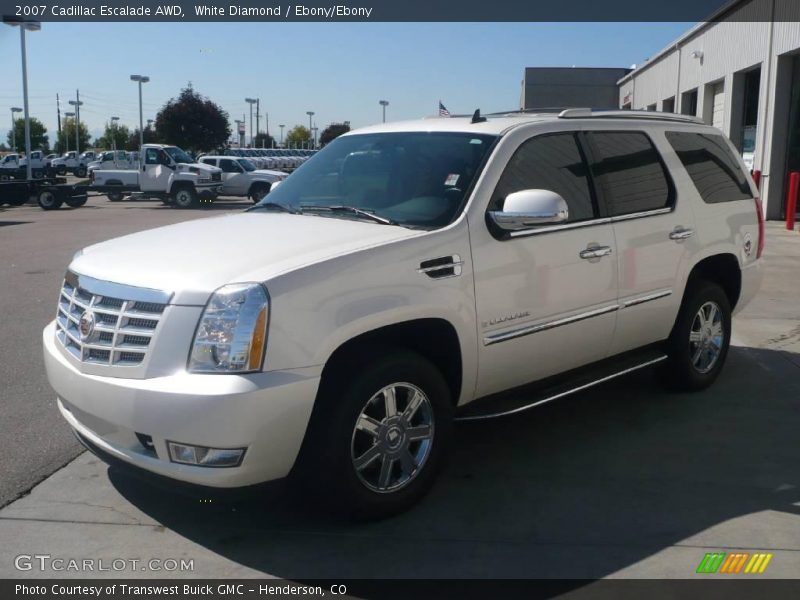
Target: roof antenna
476	117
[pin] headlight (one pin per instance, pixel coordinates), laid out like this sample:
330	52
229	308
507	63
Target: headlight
232	331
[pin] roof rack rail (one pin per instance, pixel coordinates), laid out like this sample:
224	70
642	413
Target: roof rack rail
583	113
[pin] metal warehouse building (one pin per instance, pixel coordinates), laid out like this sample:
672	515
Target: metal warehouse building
740	73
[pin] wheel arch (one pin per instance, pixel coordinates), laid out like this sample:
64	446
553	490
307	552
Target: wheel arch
434	338
722	269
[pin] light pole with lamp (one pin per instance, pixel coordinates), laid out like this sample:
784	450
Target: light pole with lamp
77	104
251	101
14	109
281	126
66	137
310	114
140	79
314	136
384	104
23	27
114	138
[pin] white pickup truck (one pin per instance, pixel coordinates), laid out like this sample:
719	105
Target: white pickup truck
240	177
164	172
13	164
70	161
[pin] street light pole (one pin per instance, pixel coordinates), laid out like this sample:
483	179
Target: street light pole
77	104
251	101
281	126
114	138
384	104
14	109
66	137
140	79
310	114
26	26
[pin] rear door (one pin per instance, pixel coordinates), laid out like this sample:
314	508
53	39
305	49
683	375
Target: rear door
652	227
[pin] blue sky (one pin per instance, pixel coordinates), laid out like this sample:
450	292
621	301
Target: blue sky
338	70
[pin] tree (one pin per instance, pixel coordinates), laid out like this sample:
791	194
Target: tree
66	138
132	141
193	122
298	136
332	131
263	140
114	134
39	139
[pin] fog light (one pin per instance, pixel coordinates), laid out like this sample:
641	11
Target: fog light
205	457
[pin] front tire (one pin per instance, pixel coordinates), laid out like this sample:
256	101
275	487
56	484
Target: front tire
699	342
184	197
259	192
378	436
80	172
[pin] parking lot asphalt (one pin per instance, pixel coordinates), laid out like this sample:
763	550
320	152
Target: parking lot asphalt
624	480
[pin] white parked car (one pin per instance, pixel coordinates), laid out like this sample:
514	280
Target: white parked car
241	178
403	279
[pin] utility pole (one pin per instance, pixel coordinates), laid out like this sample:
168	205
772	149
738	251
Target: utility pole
58	110
258	125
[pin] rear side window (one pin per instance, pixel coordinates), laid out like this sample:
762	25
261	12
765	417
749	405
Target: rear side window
549	162
711	165
629	171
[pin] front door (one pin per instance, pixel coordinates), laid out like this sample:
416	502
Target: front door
233	179
154	176
546	297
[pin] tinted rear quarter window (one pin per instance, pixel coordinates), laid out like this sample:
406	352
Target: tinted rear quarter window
711	165
629	172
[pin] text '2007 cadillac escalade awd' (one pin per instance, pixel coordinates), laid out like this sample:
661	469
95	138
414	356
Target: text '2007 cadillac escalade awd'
406	277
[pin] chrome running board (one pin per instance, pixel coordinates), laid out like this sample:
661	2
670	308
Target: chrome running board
483	409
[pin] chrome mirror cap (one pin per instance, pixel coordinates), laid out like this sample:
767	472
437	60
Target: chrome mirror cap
530	208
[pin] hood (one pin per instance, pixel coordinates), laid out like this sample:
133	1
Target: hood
194	258
269	174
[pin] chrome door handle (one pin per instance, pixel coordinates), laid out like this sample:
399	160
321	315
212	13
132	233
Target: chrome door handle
595	252
680	233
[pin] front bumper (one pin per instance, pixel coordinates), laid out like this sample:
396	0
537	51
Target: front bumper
209	191
265	412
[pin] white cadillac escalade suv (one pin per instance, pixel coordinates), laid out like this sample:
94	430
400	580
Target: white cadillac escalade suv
407	276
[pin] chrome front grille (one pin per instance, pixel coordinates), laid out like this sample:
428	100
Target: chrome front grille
99	328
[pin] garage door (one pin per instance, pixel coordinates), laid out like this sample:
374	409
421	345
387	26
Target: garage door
718	105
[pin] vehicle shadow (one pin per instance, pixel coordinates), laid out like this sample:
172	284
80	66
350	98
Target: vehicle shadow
578	488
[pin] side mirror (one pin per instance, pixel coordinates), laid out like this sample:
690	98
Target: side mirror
527	209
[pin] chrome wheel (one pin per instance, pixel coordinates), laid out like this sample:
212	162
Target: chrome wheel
706	337
393	437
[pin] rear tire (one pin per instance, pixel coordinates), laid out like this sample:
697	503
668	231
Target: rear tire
698	345
115	196
184	197
48	200
366	459
80	172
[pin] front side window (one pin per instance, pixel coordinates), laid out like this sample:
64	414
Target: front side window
178	155
711	165
247	165
418	179
228	165
151	156
549	162
628	170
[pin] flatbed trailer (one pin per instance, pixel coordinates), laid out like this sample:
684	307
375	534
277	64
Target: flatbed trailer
50	192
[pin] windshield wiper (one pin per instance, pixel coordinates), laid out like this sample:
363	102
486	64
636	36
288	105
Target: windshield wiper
278	205
342	208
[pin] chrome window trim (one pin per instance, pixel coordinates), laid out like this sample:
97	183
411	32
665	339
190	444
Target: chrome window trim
603	221
646	298
99	287
538	327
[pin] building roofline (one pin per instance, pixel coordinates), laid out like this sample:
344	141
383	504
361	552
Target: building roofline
712	19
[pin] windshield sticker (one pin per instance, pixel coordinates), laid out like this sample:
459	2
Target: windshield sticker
452	179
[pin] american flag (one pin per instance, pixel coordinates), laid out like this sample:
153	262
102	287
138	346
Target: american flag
443	112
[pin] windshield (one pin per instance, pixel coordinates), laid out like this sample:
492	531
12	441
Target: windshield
415	179
178	155
247	165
